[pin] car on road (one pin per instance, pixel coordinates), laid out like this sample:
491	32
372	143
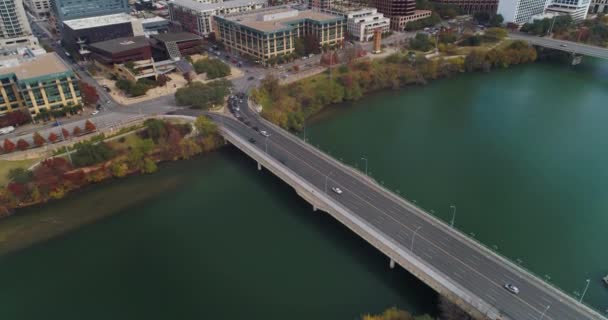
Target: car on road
255	128
107	88
94	112
337	190
108	102
56	124
563	45
264	133
511	288
250	78
252	140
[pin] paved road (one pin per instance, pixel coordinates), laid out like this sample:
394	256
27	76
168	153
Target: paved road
568	46
471	268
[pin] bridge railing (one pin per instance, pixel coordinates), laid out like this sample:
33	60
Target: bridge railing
516	266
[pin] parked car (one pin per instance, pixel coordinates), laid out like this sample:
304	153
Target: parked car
337	190
94	112
264	133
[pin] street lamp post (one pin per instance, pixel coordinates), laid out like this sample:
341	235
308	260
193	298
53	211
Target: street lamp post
584	291
66	146
365	159
453	215
413	237
542	315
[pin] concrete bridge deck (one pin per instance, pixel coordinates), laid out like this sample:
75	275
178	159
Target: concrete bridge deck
452	264
562	45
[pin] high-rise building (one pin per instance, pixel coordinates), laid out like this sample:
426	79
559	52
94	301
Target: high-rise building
197	17
38	8
473	6
598	6
64	10
361	24
577	9
520	11
270	33
14	27
36	82
321	4
400	12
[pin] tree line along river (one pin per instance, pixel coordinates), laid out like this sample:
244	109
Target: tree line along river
520	154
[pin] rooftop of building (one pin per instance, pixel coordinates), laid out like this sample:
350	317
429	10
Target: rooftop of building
278	18
121	44
198	6
92	22
175	37
38	66
155	19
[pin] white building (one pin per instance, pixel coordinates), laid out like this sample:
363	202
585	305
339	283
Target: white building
14	28
362	23
520	11
197	17
598	6
38	8
576	8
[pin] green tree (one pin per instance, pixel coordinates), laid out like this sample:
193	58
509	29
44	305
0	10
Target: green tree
88	153
299	47
155	129
120	169
496	20
149	166
203	95
494	34
20	175
189	148
421	42
205	126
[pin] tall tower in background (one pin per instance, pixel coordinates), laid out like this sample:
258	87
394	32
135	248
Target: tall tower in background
14	27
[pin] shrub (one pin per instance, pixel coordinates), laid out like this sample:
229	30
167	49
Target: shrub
89	126
77	131
65	133
8	146
88	154
53	137
38	139
22	144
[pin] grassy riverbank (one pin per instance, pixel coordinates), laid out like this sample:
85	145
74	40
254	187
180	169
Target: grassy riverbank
289	105
93	162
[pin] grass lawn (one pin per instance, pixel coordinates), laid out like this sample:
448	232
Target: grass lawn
7	165
130	141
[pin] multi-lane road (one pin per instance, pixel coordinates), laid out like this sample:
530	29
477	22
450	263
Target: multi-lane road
468	266
568	46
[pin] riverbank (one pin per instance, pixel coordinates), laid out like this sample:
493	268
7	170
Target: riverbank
290	105
91	162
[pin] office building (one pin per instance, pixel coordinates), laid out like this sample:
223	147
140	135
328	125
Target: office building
520	11
400	12
14	28
64	10
38	8
577	9
35	83
78	33
197	17
272	32
321	4
473	6
598	6
361	24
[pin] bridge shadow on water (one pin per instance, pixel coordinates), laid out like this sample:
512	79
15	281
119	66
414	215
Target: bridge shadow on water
416	295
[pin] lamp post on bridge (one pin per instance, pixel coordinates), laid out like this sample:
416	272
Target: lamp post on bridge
365	159
453	216
413	237
584	291
542	315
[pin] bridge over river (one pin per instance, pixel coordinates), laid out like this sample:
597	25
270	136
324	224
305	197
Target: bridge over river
562	45
452	264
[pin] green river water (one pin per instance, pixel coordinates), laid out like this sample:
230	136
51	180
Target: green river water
521	153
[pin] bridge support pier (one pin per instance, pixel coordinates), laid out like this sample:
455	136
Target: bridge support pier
259	166
314	208
576	59
392	264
